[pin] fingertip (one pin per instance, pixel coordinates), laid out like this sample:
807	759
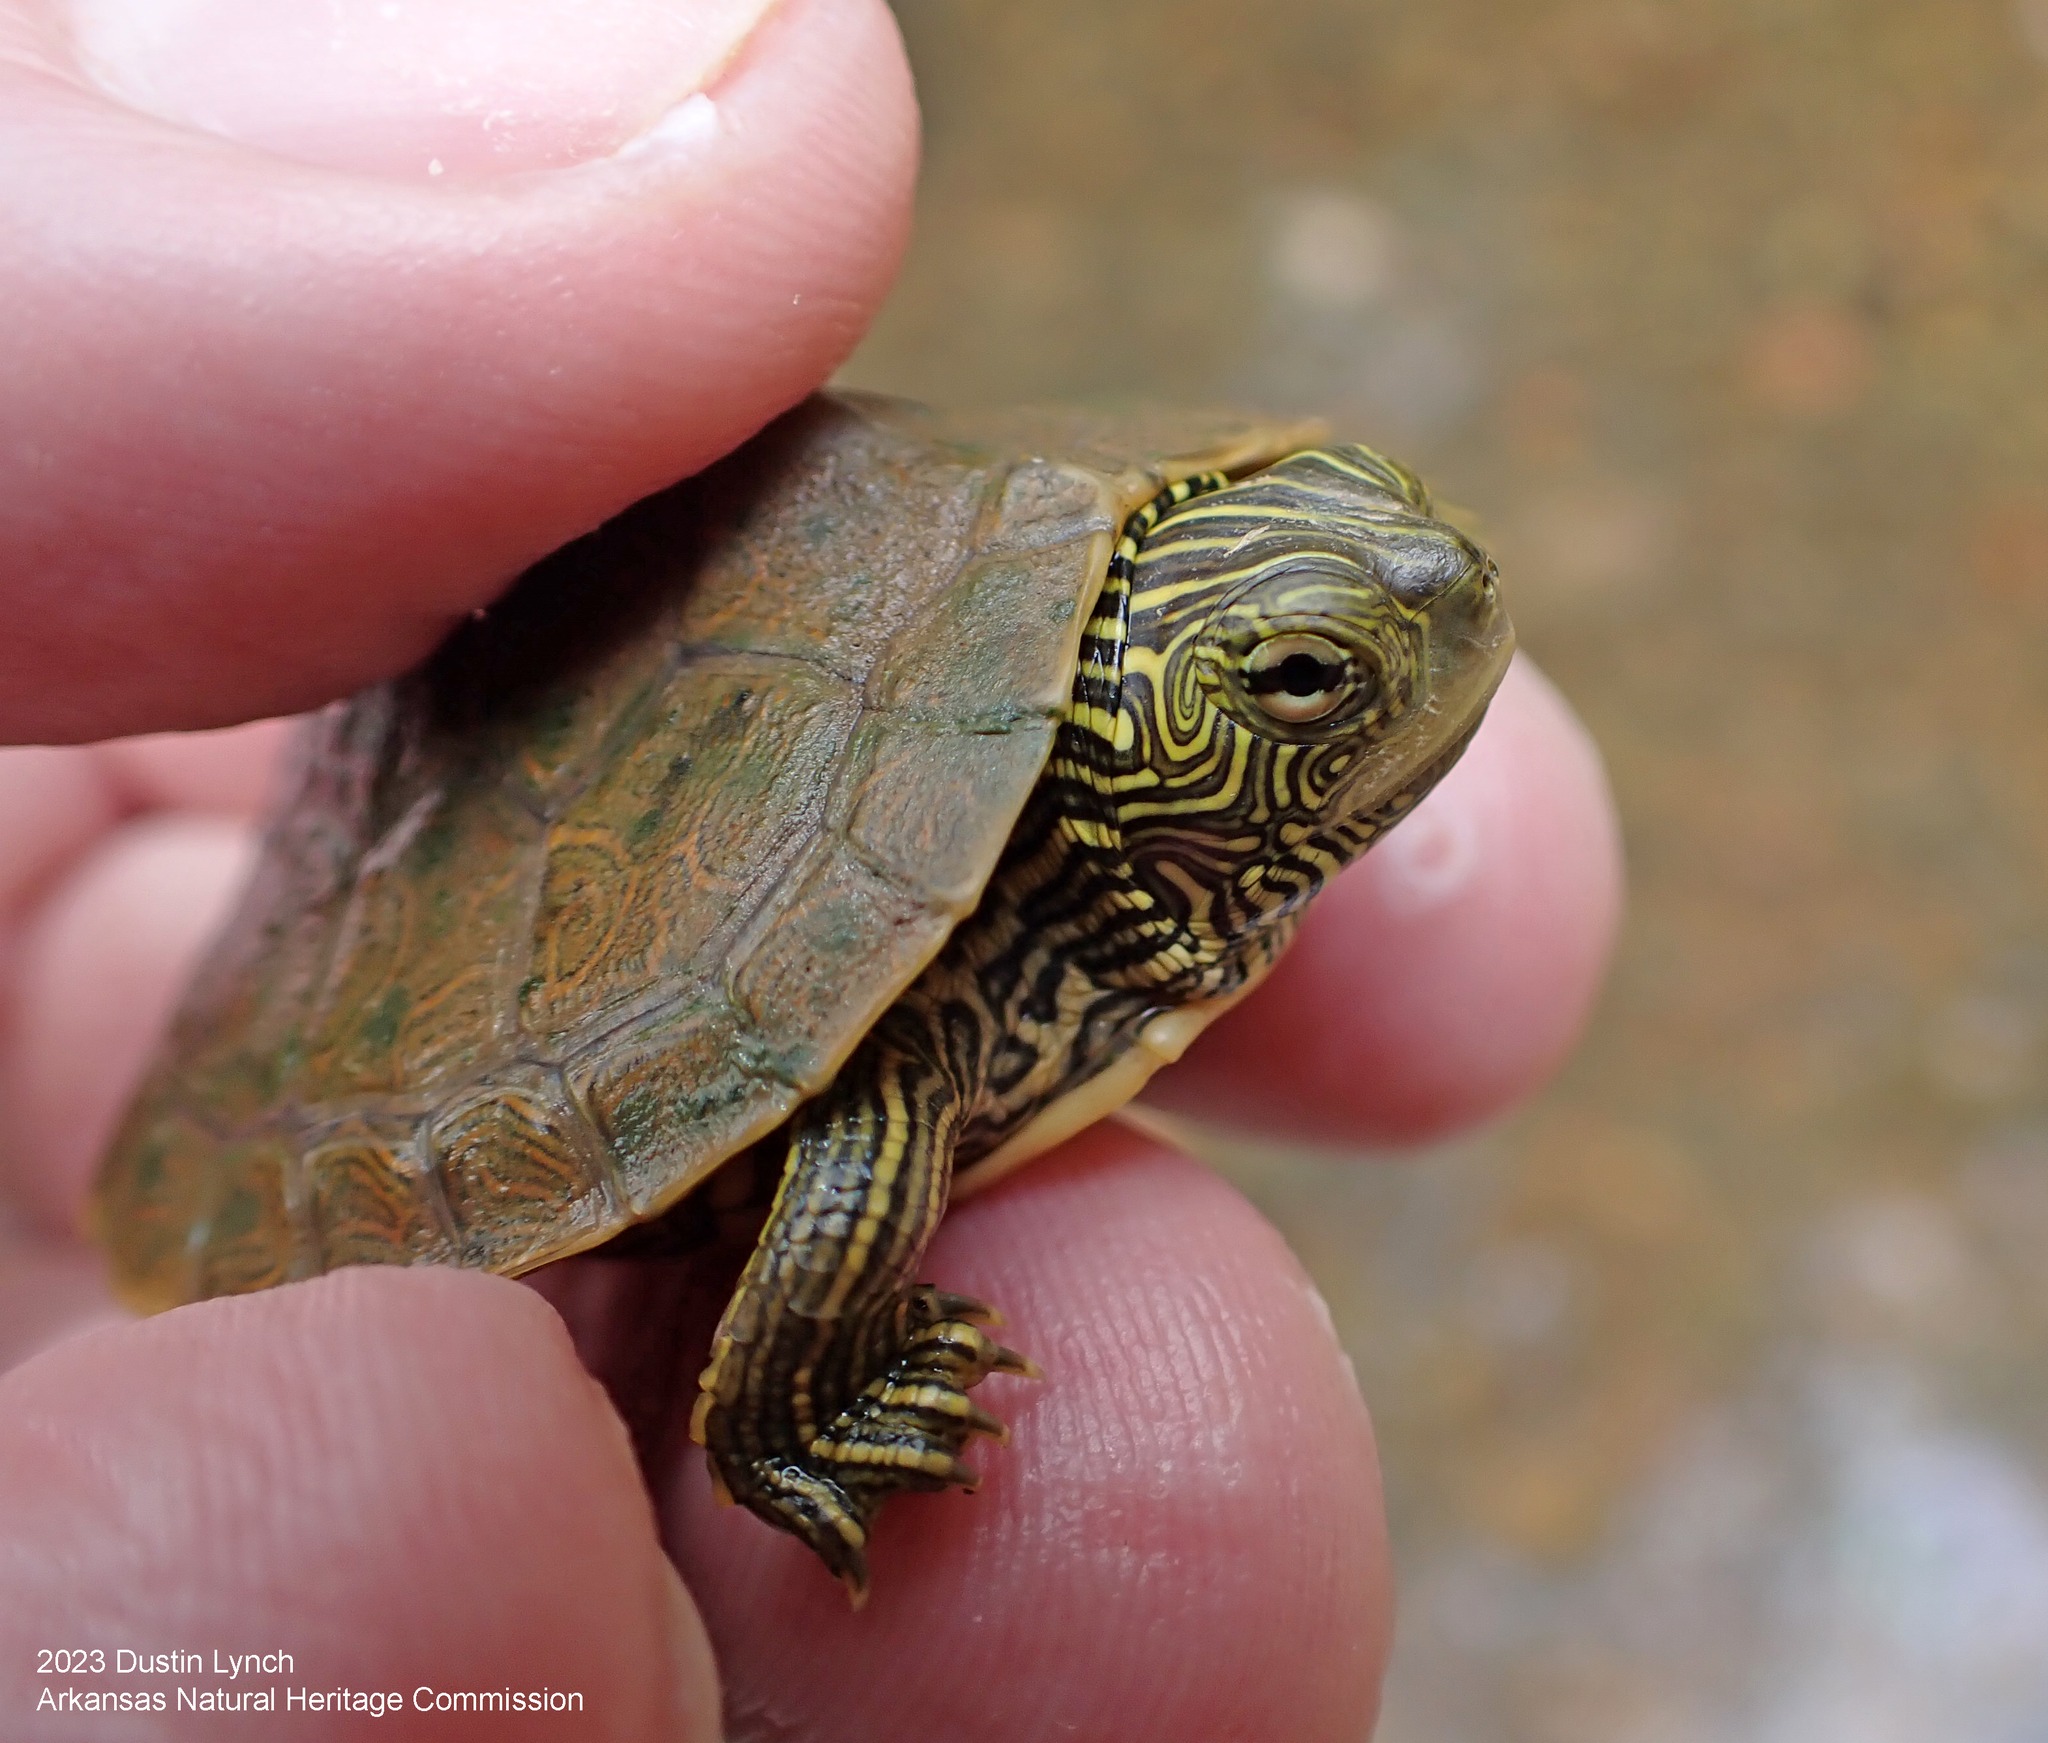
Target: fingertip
274	467
1183	1538
227	773
401	1477
101	964
49	1290
53	801
1449	972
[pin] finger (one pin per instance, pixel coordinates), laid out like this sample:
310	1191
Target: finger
48	1290
1449	972
286	404
1182	1540
53	803
227	773
401	1478
100	965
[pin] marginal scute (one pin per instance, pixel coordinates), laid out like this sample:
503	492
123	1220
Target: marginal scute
549	927
251	1239
678	1094
158	1172
373	1200
524	1175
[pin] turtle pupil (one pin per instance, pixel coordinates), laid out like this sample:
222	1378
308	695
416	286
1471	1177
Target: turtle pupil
1305	675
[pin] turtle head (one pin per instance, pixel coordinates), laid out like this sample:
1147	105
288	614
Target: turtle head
1309	649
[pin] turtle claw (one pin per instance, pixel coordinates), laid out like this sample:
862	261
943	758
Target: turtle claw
1008	1361
993	1426
931	1305
906	1430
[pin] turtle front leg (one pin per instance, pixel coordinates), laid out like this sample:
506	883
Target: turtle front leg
834	1382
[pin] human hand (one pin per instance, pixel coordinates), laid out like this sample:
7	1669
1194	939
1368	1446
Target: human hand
275	428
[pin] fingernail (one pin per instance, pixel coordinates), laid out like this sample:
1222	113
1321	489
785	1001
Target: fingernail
420	88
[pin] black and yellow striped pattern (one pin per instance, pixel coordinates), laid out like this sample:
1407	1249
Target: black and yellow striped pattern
1163	860
1080	760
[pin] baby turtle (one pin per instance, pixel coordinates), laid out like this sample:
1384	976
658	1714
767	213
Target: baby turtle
890	801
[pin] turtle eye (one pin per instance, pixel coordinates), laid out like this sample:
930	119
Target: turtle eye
1297	678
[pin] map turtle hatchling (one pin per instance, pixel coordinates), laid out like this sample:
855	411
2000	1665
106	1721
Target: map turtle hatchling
890	800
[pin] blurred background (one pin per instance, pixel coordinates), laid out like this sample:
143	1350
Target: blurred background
1711	1388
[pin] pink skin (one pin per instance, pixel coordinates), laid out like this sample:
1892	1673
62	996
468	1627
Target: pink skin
267	474
520	353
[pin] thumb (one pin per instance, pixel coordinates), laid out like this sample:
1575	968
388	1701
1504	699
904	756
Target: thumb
325	317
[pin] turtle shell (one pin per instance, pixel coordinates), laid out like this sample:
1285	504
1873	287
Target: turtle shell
546	929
